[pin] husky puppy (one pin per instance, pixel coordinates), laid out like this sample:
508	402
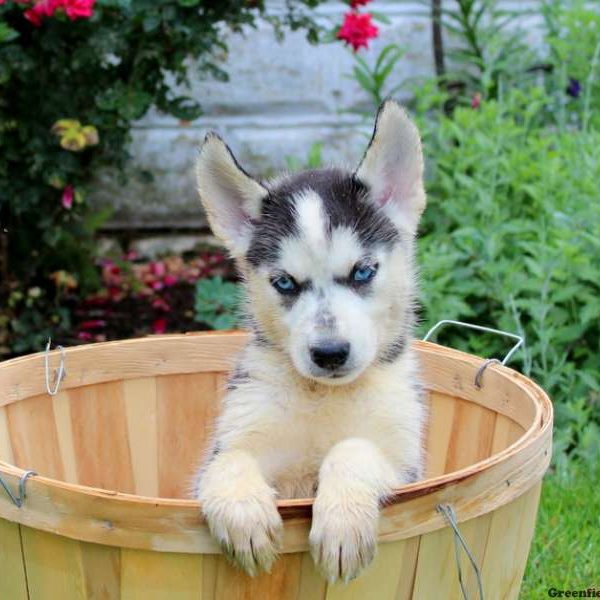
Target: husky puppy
325	398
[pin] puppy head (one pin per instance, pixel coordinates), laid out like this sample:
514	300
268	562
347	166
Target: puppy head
326	254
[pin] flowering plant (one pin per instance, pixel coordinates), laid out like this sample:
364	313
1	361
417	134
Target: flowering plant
358	28
74	76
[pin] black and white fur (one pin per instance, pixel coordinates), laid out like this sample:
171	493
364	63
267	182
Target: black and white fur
325	398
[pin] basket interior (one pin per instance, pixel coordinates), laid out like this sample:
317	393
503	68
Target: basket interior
147	435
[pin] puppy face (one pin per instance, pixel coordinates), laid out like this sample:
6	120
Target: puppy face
326	254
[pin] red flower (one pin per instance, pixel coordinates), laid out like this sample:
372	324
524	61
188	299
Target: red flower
357	3
85	336
78	9
158	268
40	10
161	304
476	101
74	9
357	30
93	324
68	193
159	325
169	280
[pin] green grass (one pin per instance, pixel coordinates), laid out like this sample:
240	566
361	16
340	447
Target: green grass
566	549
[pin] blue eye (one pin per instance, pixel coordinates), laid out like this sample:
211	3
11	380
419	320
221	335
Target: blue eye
363	273
285	284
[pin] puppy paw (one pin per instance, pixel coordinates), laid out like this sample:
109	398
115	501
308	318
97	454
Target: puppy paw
249	529
343	538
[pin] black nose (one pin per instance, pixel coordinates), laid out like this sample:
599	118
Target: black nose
330	355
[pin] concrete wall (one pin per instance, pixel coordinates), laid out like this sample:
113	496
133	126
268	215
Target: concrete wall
281	98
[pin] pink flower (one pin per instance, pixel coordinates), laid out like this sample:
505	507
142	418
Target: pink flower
67	196
78	9
158	268
84	336
159	325
93	324
357	29
170	280
476	101
160	304
74	9
41	10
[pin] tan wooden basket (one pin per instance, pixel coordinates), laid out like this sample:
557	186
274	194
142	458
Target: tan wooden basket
106	517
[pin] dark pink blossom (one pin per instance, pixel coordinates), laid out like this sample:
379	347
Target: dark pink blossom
159	325
67	197
93	324
357	29
169	280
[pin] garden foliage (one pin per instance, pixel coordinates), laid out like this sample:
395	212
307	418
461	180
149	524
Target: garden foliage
74	77
510	237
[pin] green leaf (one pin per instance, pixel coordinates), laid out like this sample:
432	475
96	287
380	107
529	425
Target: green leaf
7	34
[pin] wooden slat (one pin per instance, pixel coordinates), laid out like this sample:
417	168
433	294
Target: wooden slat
158	576
6	453
141	413
471	435
385	578
312	584
512	527
33	436
61	405
187	407
408	568
439	428
13	583
281	584
101	570
53	566
506	433
103	460
437	573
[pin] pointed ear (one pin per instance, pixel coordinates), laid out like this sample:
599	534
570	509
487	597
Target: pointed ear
231	198
392	167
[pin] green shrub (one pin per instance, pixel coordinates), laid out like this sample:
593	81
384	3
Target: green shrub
71	86
510	240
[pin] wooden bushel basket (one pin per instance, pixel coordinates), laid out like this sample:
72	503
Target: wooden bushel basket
106	516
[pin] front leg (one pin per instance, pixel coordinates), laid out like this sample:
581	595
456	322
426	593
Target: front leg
353	478
239	507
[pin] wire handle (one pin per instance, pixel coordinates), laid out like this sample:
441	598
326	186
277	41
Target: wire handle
18	500
59	374
449	515
519	342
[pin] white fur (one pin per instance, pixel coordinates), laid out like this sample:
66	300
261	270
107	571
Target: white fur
393	167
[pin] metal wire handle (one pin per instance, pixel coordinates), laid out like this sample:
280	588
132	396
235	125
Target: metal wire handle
59	374
519	342
449	515
18	500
